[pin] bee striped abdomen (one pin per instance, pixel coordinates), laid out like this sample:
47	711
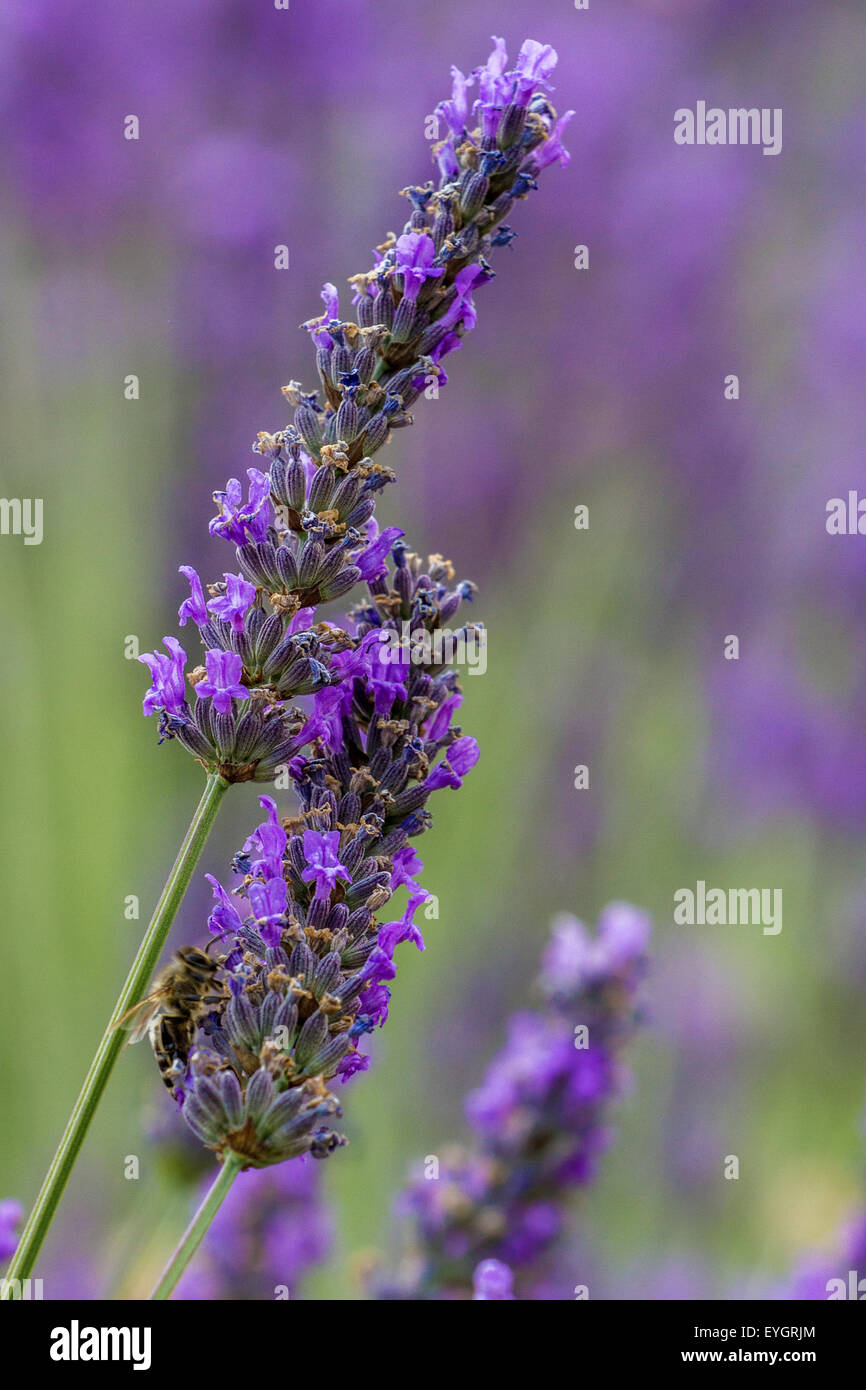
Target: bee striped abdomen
170	1040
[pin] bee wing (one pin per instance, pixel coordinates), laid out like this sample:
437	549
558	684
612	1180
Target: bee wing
137	1020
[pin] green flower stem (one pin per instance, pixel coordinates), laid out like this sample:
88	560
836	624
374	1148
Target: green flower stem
198	1227
113	1039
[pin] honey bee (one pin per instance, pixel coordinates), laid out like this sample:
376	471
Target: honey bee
183	991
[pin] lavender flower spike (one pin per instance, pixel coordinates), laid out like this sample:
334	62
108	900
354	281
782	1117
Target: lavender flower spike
304	953
538	1120
304	973
305	531
414	305
305	965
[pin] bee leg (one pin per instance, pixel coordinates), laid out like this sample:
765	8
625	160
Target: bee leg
174	1074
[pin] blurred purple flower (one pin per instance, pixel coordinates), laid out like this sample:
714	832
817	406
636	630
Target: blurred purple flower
11	1215
492	1281
820	1278
538	1118
271	1231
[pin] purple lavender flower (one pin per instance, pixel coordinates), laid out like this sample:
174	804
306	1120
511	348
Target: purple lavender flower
578	961
241	521
268	900
323	867
406	865
535	63
247	658
456	110
306	964
554	149
538	1118
317	327
461	308
193	607
224	920
494	88
268	841
387	678
416	256
222	683
167	692
462	757
233	605
393	933
371	560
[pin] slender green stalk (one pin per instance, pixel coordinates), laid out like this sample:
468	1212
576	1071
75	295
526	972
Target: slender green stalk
197	1228
113	1039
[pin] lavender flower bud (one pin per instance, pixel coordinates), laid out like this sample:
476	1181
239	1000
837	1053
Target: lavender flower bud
366	312
321	488
376	433
511	126
383	308
309	427
346	423
404	321
473	192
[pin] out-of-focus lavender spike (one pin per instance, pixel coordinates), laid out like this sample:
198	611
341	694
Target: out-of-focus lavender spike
832	1278
272	1229
539	1118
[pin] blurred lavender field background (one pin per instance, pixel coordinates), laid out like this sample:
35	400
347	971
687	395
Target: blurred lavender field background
602	387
